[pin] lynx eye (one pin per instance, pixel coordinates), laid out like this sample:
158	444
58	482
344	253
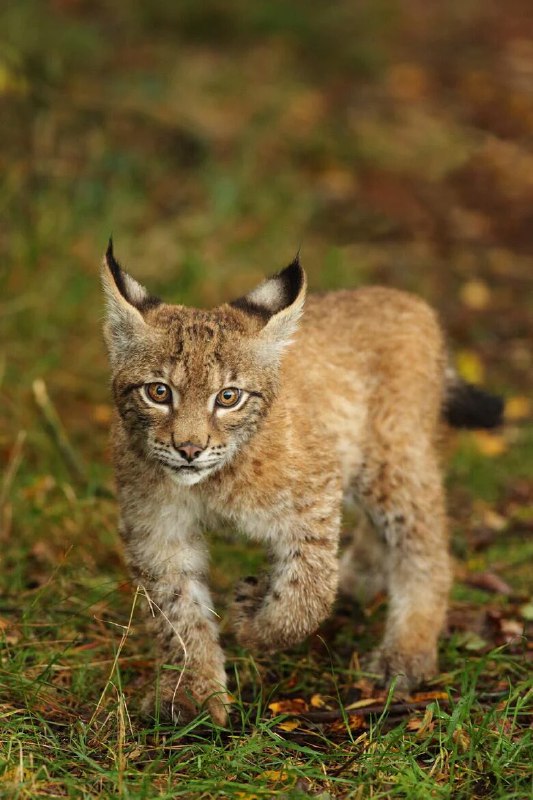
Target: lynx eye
158	392
227	398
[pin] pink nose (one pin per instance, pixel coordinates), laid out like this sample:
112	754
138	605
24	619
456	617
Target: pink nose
189	451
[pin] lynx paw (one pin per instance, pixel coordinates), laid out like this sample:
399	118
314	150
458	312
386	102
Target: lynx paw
182	704
407	670
250	593
249	596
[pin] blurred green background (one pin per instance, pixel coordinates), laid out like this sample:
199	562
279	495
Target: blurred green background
390	139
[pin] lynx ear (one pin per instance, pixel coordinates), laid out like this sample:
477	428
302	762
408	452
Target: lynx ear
278	301
126	302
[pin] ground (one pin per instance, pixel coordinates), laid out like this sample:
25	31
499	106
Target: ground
391	141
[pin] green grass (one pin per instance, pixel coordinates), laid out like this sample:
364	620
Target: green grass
213	140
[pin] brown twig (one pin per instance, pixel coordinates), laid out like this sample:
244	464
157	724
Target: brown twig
11	470
393	709
57	432
12	466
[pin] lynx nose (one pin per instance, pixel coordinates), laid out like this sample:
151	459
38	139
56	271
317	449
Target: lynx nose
189	451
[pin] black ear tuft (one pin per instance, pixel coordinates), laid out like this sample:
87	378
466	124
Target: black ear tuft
128	287
115	269
293	280
276	293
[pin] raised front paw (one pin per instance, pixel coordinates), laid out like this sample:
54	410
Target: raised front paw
248	598
250	593
178	701
405	669
265	620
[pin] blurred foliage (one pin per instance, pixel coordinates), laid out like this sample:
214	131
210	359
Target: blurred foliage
391	140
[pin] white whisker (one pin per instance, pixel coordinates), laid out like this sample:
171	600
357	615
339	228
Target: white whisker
153	605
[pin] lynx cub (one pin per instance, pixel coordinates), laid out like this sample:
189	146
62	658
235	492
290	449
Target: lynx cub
258	415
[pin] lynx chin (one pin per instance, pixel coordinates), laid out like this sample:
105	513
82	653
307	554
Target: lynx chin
268	416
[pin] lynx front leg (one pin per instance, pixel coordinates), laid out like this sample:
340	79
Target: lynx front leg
406	503
281	609
169	564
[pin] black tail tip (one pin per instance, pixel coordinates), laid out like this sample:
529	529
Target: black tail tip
468	406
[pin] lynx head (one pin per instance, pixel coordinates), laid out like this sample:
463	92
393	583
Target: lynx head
192	387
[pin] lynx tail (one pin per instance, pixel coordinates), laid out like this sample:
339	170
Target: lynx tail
468	406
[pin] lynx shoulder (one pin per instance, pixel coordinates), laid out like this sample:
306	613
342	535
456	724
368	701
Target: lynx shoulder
269	417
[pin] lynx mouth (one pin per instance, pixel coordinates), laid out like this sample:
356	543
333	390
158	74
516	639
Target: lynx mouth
187	467
189	473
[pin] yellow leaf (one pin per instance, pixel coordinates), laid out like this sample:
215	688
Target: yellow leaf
421	725
490	444
518	407
493	520
317	701
275	775
469	366
367	701
355	722
289	725
426	697
475	294
293	706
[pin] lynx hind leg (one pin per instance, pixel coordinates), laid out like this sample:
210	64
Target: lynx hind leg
404	497
362	568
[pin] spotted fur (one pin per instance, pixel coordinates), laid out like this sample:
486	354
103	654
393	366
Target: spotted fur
346	404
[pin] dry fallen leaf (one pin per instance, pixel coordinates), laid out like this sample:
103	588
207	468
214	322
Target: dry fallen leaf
367	701
293	706
475	294
461	739
469	366
422	697
421	725
488	581
317	701
275	775
365	686
491	519
489	444
10	634
511	629
289	725
518	407
355	722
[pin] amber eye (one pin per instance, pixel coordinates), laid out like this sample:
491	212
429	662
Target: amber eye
227	398
158	392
